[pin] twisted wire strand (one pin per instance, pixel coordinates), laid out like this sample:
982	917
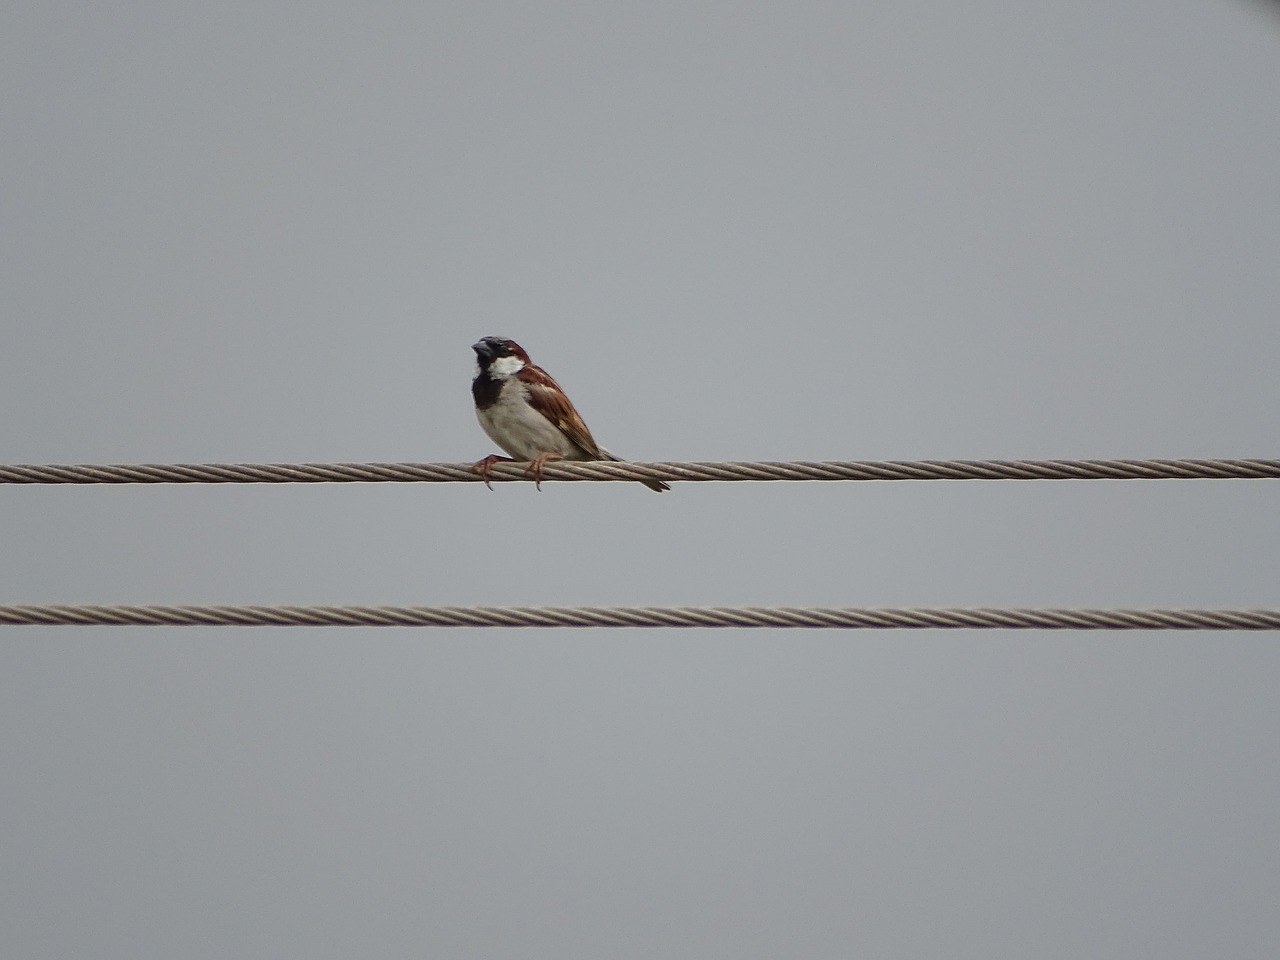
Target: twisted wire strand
742	617
765	470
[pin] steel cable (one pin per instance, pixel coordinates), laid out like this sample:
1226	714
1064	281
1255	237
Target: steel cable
741	617
608	471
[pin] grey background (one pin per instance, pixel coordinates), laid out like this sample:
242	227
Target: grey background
732	231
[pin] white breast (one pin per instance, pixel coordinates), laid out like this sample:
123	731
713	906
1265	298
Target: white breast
521	430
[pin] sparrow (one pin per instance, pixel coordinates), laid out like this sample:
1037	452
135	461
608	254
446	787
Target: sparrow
526	413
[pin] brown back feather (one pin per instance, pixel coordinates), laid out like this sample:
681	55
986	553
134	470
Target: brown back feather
548	399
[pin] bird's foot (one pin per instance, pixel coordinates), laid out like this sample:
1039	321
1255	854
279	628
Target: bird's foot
535	468
485	467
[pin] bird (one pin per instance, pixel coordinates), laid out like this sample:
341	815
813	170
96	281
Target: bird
527	414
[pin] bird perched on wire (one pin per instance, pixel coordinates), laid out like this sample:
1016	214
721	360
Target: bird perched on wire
526	413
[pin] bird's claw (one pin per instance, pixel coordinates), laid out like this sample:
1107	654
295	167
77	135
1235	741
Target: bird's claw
534	469
485	467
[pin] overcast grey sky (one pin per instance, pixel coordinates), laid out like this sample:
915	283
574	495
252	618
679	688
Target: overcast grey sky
246	232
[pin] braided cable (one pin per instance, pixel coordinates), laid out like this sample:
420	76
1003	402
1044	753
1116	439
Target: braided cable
743	617
670	471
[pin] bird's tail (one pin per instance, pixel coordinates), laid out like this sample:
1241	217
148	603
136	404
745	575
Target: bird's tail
657	486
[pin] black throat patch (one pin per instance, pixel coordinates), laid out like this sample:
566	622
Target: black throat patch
485	390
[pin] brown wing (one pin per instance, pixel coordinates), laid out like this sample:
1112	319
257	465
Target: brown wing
548	399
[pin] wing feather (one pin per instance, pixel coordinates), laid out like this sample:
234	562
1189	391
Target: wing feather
548	399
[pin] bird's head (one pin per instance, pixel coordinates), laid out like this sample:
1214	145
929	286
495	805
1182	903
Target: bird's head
498	357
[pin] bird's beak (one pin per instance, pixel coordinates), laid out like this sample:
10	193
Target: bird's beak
483	349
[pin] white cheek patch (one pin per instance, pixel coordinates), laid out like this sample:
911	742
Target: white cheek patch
504	367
